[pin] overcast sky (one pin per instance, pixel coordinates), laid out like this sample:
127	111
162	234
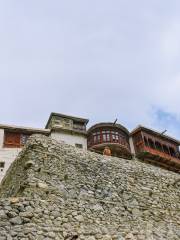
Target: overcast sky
99	59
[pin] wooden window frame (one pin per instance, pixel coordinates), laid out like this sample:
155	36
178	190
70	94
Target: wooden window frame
16	141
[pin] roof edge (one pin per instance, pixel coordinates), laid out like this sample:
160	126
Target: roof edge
83	120
28	129
108	124
157	133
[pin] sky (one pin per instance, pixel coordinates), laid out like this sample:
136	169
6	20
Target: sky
97	59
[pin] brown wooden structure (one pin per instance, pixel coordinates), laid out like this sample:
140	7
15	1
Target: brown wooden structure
111	135
156	148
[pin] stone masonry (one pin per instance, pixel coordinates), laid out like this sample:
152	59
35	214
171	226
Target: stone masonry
56	191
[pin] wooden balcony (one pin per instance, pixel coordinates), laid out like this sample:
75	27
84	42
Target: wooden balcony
159	158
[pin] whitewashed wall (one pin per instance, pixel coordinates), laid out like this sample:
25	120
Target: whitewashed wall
131	145
70	139
7	155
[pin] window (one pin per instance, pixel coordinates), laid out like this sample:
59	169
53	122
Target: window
79	145
15	139
158	146
2	164
146	141
165	148
172	152
96	137
11	139
151	143
104	137
108	137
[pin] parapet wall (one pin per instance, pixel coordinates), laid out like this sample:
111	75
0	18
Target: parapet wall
55	191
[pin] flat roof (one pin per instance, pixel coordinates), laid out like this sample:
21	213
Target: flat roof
155	132
78	119
25	129
109	124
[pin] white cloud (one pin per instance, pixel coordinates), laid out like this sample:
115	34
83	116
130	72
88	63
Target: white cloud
99	60
171	40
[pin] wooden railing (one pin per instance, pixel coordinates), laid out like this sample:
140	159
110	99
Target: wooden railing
119	142
162	154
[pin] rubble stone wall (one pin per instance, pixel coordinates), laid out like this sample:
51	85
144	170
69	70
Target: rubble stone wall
56	191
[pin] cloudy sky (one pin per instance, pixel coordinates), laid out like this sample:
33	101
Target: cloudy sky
99	59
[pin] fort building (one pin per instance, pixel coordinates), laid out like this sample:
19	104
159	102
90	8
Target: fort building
156	148
68	129
112	135
146	144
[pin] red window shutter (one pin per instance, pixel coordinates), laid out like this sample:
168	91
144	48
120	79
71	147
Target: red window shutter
12	139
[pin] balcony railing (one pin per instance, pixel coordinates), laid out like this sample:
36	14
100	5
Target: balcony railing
161	154
121	142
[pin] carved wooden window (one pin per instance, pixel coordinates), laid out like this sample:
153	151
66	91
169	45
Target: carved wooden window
146	142
165	148
15	139
158	146
172	152
12	139
151	143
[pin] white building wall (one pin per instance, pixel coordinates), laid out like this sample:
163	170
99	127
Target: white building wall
131	145
1	137
7	155
70	139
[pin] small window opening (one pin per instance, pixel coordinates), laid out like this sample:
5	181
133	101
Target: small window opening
79	145
151	143
2	164
158	146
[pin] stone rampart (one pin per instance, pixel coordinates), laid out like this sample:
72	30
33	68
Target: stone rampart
56	191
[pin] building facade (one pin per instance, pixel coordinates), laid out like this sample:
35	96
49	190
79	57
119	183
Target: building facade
146	144
63	128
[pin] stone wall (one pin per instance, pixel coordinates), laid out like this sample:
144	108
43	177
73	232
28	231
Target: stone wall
56	191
